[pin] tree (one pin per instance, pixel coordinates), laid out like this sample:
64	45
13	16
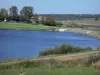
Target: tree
1	17
27	11
25	19
3	13
78	16
14	12
35	19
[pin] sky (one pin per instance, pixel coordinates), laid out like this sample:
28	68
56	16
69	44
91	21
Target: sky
56	6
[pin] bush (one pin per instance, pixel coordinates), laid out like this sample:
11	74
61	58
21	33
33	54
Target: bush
25	19
59	24
63	49
49	21
96	18
88	48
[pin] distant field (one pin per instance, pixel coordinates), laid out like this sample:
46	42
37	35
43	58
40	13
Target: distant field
84	22
21	26
94	29
87	22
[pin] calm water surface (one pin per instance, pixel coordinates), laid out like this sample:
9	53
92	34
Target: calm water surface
23	44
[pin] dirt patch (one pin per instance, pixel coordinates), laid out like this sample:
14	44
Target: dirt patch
63	59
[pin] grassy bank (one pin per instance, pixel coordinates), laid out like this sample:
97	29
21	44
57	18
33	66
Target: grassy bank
57	71
80	65
49	56
22	26
64	60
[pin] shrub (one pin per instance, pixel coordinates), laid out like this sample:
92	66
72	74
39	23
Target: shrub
59	24
48	21
96	18
63	49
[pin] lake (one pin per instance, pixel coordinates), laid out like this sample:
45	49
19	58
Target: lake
24	44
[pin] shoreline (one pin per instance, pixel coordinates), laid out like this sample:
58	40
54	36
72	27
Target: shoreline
42	59
89	33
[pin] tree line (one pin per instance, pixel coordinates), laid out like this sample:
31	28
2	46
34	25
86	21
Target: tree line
27	15
13	14
62	17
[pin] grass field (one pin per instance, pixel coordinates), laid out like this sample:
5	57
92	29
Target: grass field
94	29
56	71
86	22
21	26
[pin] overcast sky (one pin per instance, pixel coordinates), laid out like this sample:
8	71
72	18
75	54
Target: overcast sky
56	6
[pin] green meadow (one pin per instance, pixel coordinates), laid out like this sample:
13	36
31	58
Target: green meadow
22	26
56	71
